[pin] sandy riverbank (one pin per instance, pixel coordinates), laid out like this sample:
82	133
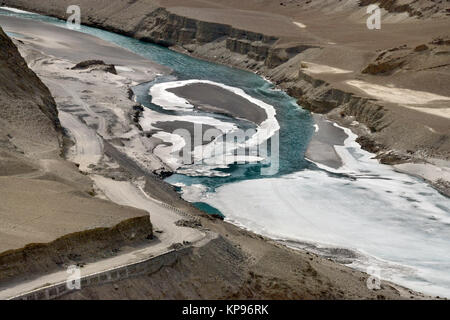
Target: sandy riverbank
325	138
215	99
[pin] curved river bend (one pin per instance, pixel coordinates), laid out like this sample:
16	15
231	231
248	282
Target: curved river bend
363	214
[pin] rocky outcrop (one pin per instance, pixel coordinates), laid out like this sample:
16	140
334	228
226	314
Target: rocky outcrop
158	25
413	8
95	65
168	29
422	57
383	123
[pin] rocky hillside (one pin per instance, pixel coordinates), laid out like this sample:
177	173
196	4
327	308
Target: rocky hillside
49	217
28	115
75	248
290	54
421	8
222	270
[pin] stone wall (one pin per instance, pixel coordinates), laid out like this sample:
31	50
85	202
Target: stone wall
148	266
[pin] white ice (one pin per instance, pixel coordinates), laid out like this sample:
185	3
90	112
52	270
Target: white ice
220	152
399	223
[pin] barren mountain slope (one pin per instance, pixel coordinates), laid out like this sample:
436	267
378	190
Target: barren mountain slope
46	203
28	112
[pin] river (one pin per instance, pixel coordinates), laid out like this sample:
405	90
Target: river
363	214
